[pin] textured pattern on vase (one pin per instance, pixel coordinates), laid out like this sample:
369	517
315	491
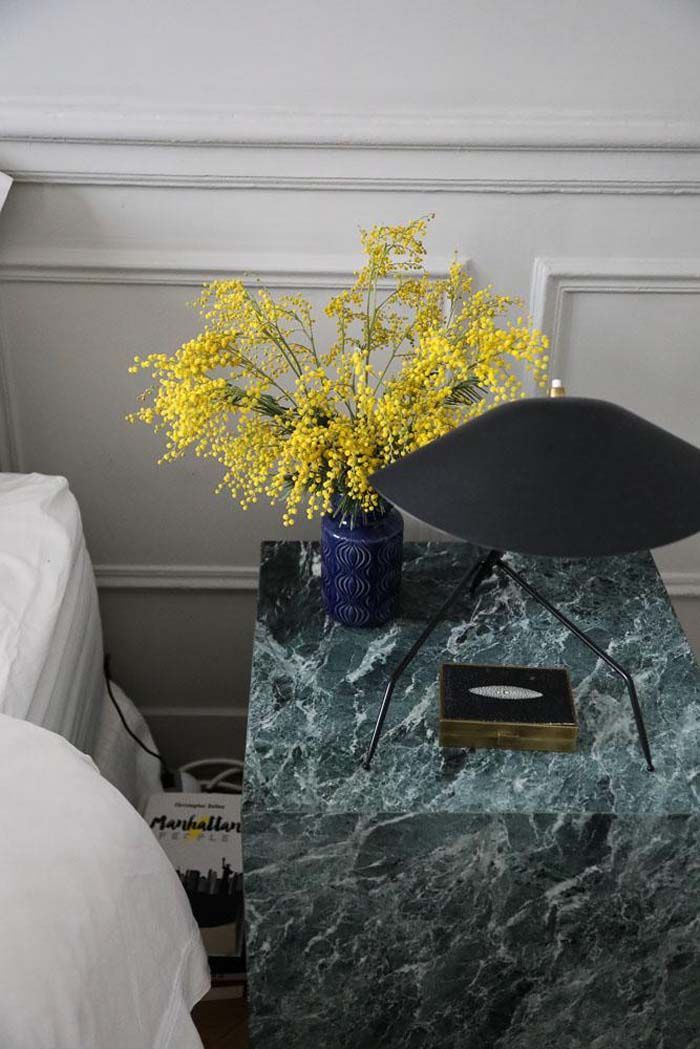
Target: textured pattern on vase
361	569
389	558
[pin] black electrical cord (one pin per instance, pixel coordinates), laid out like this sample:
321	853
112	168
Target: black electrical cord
166	777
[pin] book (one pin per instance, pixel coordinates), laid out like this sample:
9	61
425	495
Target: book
201	835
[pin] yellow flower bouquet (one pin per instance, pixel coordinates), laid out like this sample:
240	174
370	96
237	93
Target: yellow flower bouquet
412	357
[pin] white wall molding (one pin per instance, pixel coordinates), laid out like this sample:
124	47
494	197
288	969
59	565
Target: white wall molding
555	279
43	119
389	183
682	584
514	158
187	268
195	712
177	577
234	578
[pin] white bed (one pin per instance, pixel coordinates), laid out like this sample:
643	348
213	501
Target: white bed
98	947
51	637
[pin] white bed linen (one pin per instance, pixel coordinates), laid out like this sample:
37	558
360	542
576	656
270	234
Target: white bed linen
51	636
98	946
50	632
129	768
5	183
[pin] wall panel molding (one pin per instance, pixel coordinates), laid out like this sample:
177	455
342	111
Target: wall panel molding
682	584
195	712
187	268
245	577
554	280
177	577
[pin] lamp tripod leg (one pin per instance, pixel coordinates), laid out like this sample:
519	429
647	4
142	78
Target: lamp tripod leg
577	632
472	579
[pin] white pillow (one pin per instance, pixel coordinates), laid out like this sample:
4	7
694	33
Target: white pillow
41	540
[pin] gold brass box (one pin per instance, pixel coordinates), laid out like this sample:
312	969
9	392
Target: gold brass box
507	707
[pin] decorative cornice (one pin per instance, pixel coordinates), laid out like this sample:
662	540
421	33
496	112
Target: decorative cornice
71	120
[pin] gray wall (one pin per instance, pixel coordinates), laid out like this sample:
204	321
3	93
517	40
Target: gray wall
155	145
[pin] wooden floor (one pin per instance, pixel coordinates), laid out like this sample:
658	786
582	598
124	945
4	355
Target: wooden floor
222	1024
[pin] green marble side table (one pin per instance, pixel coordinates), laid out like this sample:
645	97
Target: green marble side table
470	899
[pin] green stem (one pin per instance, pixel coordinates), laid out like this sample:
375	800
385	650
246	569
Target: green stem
246	361
308	333
394	352
279	341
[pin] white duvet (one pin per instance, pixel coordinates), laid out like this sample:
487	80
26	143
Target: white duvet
98	947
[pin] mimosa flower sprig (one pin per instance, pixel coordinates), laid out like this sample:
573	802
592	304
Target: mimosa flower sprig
412	358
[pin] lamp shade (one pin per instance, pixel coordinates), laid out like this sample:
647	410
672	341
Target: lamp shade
565	476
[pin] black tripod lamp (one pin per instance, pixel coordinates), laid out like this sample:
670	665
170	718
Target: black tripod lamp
556	476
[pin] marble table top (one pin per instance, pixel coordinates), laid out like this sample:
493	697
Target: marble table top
316	689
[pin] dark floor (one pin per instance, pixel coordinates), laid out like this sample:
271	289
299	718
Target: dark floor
222	1024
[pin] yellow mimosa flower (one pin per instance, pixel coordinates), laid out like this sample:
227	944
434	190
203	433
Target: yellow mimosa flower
412	358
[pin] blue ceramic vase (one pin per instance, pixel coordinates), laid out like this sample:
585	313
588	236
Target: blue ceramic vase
361	567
